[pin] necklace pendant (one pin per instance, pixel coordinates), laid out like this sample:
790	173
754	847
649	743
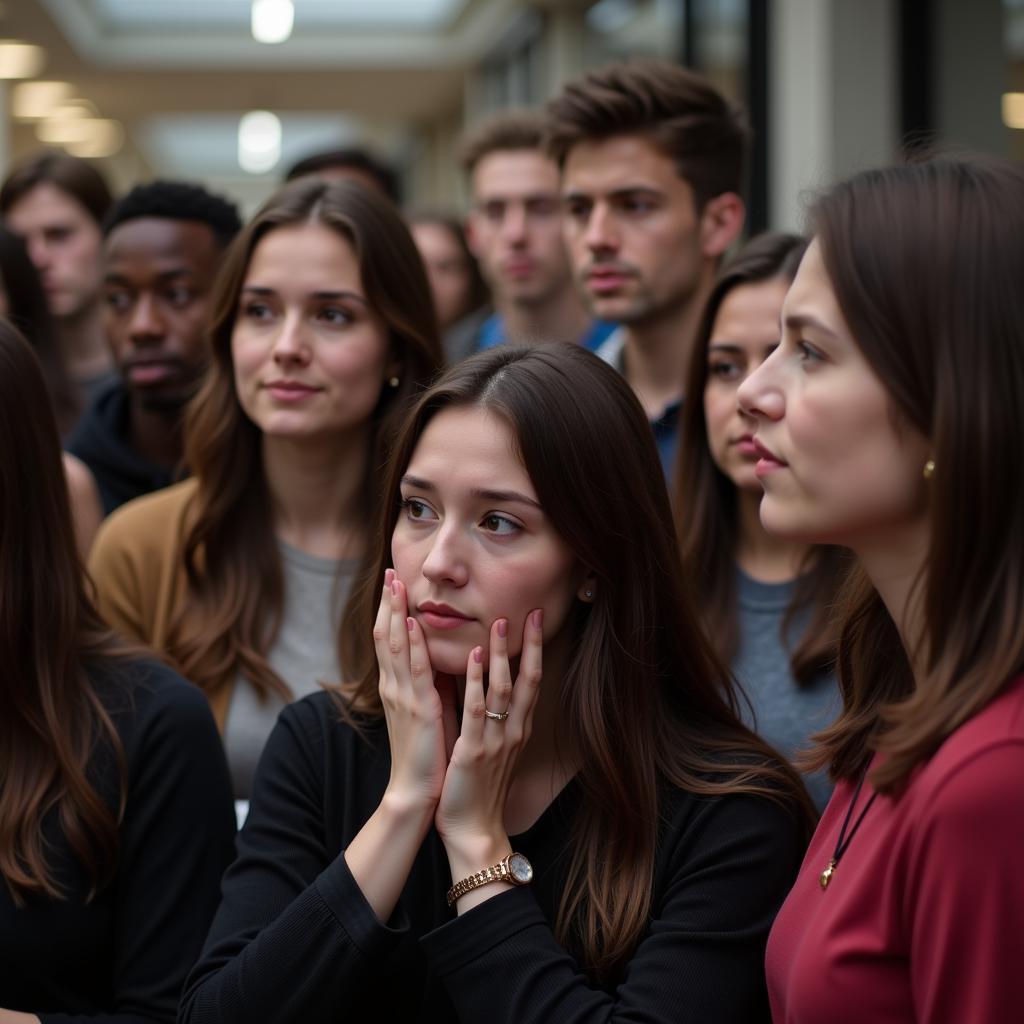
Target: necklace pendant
826	875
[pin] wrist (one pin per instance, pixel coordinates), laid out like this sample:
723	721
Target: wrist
407	808
471	853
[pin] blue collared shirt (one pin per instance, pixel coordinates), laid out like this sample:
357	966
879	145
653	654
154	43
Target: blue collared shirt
492	333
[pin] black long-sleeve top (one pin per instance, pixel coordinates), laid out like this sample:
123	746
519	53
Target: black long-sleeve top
295	940
122	957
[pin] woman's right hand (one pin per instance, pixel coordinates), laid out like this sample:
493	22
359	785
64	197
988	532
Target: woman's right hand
414	708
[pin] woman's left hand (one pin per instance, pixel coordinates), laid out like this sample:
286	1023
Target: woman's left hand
470	815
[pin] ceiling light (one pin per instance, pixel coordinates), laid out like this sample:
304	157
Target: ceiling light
106	139
88	132
272	20
20	60
259	141
1013	109
32	100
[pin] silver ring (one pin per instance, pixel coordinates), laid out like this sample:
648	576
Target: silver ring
496	716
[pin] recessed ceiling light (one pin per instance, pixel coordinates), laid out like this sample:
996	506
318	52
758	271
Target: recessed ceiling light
32	100
259	141
20	60
272	20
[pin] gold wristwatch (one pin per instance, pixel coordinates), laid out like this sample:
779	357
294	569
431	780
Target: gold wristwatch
514	868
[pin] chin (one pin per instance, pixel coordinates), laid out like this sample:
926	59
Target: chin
449	657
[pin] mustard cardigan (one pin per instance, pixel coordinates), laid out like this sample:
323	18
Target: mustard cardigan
138	568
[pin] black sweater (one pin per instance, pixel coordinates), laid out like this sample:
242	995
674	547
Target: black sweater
295	940
122	958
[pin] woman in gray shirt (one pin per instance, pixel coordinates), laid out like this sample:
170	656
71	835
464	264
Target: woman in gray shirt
766	601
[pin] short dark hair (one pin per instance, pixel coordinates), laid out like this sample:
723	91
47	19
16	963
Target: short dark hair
350	157
78	178
514	128
679	110
176	200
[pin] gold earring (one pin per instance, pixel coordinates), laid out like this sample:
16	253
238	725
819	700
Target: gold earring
929	469
393	382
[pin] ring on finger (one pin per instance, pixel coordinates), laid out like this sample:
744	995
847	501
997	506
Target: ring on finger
496	716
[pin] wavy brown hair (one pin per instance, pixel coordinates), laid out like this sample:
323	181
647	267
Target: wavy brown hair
644	701
706	500
926	261
235	596
52	723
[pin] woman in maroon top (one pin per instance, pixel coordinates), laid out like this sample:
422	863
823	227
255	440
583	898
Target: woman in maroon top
889	421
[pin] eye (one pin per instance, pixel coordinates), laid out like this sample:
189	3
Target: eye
577	209
179	297
637	205
499	525
724	370
418	511
118	301
255	310
808	353
335	316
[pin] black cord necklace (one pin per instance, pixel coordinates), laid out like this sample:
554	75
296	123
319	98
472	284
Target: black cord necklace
844	840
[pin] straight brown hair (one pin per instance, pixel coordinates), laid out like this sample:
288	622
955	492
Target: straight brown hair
52	723
926	261
677	109
644	700
235	595
706	503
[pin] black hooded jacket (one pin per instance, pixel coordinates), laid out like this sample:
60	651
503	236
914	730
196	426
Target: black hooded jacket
101	441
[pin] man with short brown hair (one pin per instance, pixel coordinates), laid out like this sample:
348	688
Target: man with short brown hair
653	159
515	231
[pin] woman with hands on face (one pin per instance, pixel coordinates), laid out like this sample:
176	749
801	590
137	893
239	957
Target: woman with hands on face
536	803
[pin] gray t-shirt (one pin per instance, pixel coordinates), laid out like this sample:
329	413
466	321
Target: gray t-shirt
785	713
304	655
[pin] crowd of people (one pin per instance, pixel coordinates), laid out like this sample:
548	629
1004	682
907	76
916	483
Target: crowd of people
569	613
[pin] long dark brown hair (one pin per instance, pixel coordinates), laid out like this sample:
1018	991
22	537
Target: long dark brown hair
644	701
52	722
926	261
706	501
27	309
235	596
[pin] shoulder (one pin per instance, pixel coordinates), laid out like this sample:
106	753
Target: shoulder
139	691
146	522
319	721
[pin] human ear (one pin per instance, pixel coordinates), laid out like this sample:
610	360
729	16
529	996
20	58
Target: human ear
587	589
721	222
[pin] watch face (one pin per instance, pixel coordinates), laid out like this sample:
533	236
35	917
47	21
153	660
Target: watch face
520	869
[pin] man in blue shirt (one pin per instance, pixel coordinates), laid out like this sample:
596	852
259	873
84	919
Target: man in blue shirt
515	232
652	159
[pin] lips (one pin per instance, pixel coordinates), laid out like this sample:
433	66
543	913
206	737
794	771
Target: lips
151	371
768	461
606	279
442	616
290	390
747	446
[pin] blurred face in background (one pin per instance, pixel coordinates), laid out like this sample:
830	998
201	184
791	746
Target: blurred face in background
744	334
156	289
311	357
448	271
64	243
515	229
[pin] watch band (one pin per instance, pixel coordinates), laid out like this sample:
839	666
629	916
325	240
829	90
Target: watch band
514	868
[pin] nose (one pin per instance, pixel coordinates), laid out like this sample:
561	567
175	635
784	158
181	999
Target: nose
601	233
146	325
513	224
291	347
446	562
38	252
761	394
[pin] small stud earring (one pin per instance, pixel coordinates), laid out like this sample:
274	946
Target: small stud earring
929	469
393	382
588	594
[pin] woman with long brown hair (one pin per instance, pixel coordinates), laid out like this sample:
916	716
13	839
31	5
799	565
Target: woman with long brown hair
323	328
115	803
767	601
889	421
383	870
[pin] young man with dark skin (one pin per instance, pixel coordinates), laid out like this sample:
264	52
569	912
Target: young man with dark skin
515	231
162	247
57	203
653	160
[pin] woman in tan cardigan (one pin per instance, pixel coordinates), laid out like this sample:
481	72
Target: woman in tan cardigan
322	330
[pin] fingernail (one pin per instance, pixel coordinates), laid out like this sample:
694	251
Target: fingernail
409	623
503	628
537	618
478	655
389	577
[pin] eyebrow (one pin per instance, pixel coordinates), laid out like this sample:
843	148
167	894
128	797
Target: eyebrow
795	321
255	289
615	193
113	276
477	492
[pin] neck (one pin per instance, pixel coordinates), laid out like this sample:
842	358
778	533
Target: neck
658	350
155	435
894	566
560	317
760	554
83	347
317	492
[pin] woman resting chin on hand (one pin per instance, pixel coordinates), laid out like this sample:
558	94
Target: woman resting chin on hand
536	803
